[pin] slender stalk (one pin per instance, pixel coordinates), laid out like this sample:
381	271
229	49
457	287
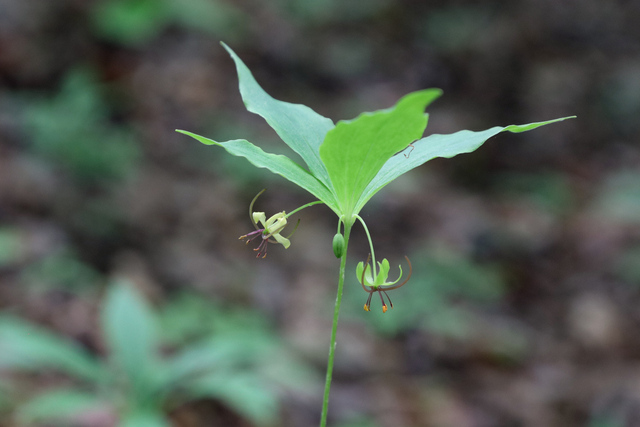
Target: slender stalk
373	254
334	328
317	202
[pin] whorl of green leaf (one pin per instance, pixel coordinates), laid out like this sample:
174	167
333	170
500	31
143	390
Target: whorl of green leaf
350	162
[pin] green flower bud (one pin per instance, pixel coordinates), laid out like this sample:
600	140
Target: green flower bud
338	245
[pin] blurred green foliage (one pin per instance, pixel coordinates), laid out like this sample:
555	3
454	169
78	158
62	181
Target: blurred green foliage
74	131
620	99
627	267
323	11
134	22
61	270
243	365
547	191
6	394
10	245
607	421
186	317
458	28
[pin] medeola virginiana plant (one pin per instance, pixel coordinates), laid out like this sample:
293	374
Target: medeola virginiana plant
347	163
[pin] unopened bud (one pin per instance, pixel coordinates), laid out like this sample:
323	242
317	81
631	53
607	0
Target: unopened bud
338	245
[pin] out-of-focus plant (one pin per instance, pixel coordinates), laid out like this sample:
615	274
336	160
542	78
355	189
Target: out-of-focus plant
627	267
6	396
348	163
548	192
61	270
454	28
187	317
140	380
74	131
133	22
10	245
606	421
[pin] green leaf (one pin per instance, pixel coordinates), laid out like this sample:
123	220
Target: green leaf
216	354
244	392
299	126
59	405
28	348
144	418
61	269
130	331
351	161
436	145
355	150
73	129
277	164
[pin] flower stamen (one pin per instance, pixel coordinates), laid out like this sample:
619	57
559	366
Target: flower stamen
270	231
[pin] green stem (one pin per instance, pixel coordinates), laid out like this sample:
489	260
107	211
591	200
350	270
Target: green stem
373	254
317	202
334	328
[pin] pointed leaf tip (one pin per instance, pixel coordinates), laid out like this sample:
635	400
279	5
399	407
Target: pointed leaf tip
301	128
278	164
436	145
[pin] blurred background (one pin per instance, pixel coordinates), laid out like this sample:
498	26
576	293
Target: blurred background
127	299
